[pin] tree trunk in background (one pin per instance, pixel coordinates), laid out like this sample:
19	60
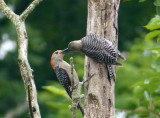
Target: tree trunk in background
99	93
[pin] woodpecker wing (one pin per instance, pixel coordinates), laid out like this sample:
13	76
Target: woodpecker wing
63	77
92	47
99	49
108	48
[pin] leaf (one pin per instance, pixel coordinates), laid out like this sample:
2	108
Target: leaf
154	23
58	105
142	0
157	61
55	90
157	3
152	34
156	48
141	108
156	100
138	92
137	84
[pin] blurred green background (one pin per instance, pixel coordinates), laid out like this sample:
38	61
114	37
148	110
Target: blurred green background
55	23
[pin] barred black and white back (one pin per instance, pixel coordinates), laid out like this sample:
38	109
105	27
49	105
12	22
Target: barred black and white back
63	78
100	49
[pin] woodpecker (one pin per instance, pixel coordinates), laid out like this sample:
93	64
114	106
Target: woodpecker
63	73
99	49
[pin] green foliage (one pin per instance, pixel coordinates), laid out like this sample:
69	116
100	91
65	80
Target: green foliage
56	100
142	99
141	75
154	24
55	23
55	90
157	3
152	34
133	16
142	0
8	89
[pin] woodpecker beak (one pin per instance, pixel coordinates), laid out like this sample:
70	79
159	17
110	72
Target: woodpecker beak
65	51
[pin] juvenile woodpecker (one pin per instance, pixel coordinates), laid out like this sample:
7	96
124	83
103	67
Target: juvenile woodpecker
63	73
99	49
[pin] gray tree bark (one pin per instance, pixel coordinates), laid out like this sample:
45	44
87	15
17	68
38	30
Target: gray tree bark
99	93
25	69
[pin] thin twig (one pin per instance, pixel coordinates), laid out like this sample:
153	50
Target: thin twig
88	79
29	9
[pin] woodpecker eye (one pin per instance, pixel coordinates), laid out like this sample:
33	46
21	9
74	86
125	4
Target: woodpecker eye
56	52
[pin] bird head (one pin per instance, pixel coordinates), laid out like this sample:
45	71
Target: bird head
73	46
56	57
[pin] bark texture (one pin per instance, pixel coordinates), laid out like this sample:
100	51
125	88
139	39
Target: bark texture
25	69
102	20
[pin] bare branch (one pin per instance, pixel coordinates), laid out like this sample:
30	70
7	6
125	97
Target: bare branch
76	91
74	104
29	9
72	75
8	12
25	69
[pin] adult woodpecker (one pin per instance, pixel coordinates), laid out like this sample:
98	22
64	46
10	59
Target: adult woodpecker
63	73
99	49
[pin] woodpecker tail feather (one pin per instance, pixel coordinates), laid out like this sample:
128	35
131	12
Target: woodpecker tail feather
80	108
121	56
118	64
110	73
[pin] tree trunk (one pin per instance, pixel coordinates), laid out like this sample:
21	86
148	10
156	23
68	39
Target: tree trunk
102	20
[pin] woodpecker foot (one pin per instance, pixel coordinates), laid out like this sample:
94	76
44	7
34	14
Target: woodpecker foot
73	106
73	87
79	97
